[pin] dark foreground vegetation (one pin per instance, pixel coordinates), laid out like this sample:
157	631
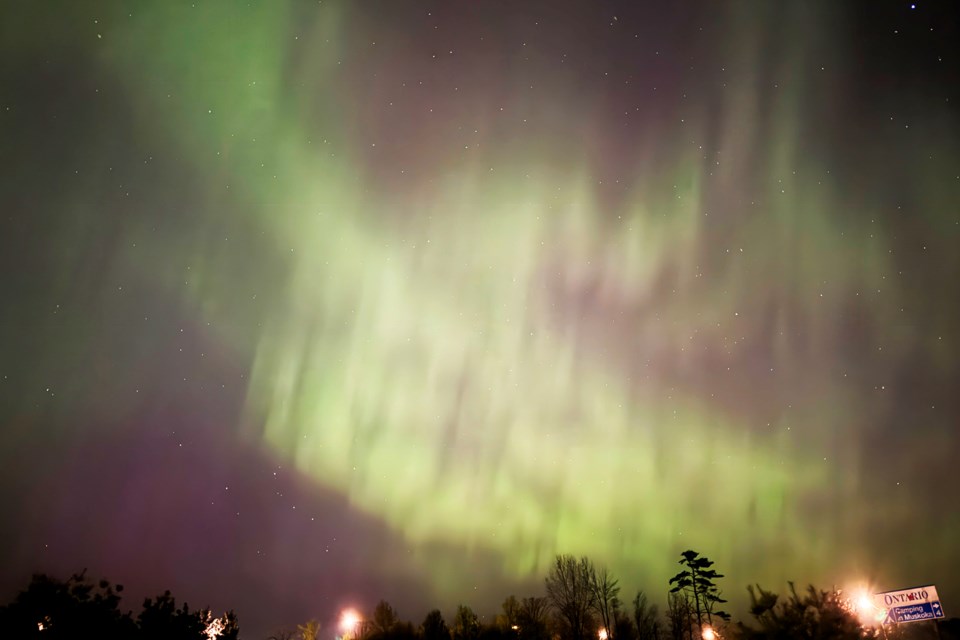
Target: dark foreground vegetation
50	609
581	602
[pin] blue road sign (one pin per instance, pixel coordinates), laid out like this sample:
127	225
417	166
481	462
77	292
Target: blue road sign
910	605
915	612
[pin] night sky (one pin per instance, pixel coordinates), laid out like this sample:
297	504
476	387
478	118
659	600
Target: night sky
308	304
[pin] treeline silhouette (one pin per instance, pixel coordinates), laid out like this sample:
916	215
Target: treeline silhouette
51	609
581	602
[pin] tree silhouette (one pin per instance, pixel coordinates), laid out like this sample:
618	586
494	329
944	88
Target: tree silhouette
679	615
466	625
571	595
384	618
401	630
532	619
645	617
161	619
697	580
605	597
50	608
509	618
434	627
819	615
623	626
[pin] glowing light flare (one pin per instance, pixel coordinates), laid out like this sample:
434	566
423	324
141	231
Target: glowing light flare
709	634
863	605
349	621
602	634
215	626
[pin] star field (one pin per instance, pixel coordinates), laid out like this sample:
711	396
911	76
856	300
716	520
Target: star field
308	304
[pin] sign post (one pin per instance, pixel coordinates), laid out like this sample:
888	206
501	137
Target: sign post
911	605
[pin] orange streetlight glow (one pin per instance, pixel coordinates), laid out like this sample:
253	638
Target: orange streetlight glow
863	605
349	619
709	634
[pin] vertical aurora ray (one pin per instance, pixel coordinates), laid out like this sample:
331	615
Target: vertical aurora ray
490	361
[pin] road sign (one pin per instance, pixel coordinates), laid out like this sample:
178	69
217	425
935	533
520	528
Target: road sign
910	605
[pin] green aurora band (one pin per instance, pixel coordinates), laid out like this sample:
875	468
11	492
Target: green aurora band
495	359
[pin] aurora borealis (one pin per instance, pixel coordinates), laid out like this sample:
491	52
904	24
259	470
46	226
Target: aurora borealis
308	303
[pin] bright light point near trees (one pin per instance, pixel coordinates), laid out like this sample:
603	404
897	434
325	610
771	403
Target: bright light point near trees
861	602
602	634
349	619
215	628
709	634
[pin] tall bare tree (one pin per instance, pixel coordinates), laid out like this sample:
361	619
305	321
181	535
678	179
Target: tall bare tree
534	609
532	619
606	601
679	616
570	593
645	617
